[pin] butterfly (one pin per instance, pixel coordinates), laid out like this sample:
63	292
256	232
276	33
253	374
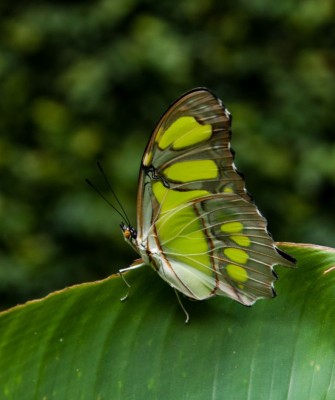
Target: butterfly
197	225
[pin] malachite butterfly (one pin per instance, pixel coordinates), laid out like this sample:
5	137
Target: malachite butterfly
197	226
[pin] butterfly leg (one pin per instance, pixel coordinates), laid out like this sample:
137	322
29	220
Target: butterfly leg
182	307
128	286
121	273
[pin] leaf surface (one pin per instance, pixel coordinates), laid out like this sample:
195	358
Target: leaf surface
84	343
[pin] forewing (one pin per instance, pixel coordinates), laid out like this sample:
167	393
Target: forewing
189	151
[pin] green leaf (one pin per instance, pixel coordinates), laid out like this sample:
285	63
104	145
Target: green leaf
83	343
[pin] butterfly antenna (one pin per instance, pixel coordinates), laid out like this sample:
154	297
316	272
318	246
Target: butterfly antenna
113	193
106	200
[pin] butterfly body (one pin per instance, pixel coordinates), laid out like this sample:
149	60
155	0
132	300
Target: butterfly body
196	224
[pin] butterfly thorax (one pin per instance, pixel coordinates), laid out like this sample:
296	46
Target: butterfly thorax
132	238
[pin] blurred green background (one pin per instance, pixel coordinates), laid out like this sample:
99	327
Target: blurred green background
87	80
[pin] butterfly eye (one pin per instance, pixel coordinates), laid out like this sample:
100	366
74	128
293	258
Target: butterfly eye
127	233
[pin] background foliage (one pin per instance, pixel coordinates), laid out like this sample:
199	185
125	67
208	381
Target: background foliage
88	80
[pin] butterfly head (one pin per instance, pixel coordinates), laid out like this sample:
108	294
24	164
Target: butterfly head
129	233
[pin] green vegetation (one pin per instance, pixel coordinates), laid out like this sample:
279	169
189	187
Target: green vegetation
82	81
86	81
83	343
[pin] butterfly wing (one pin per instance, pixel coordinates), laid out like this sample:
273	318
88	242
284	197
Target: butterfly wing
189	150
197	225
216	245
